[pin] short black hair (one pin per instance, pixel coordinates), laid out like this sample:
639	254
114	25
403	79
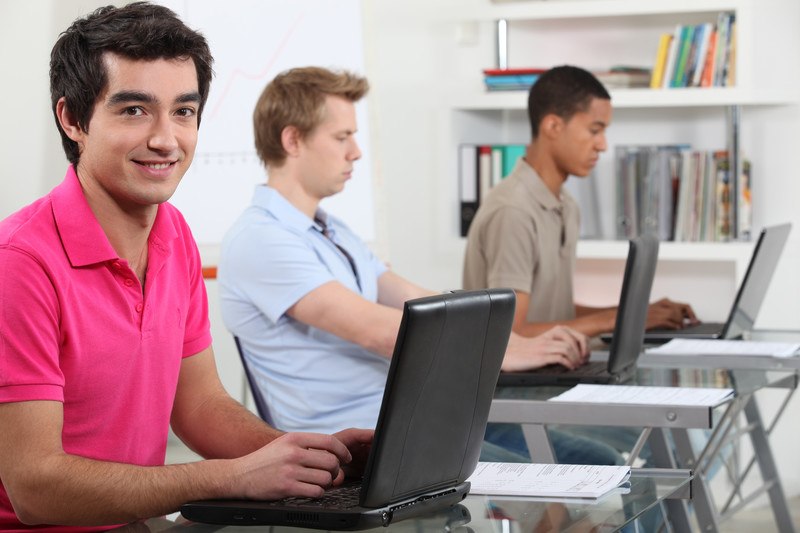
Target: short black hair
139	31
562	91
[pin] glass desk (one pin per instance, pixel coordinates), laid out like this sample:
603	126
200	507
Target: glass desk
665	428
480	514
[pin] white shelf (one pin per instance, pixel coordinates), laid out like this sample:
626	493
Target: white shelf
532	10
738	252
635	98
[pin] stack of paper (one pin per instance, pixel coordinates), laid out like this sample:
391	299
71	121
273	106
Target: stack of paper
547	480
644	395
725	347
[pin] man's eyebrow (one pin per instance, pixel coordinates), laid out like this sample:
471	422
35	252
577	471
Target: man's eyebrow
124	97
192	97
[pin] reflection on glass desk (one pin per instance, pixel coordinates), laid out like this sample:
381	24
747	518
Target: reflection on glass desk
742	380
730	361
494	514
666	429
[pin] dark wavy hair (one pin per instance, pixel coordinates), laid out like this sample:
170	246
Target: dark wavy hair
562	91
139	31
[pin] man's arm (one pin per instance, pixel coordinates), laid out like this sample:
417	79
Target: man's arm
203	408
46	485
593	321
334	308
590	324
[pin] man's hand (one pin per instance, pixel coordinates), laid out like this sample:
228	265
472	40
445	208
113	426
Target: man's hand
559	345
359	442
294	464
669	315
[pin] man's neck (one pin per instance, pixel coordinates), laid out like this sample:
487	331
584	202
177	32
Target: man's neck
294	193
126	227
545	166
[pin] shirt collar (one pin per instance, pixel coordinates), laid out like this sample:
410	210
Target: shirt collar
274	203
84	240
537	187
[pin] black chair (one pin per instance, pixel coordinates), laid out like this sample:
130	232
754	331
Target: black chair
261	404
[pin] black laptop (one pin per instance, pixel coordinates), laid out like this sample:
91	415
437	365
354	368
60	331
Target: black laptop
428	437
627	342
749	298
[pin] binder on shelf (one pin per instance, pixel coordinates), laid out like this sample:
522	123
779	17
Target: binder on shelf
481	167
484	171
468	185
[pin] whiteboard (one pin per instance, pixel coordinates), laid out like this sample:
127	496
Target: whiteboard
252	41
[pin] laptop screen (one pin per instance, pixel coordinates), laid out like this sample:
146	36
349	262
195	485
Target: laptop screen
640	269
756	280
438	393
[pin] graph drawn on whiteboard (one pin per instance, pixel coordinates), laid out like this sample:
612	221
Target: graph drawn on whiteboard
252	41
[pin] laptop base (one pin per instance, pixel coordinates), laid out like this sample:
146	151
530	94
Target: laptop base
596	373
260	513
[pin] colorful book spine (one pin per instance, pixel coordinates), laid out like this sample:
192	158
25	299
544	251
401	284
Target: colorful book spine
657	80
687	35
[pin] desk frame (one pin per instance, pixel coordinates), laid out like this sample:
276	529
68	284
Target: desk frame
659	423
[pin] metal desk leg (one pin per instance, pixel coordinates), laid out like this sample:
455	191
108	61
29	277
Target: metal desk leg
538	443
766	464
677	510
702	500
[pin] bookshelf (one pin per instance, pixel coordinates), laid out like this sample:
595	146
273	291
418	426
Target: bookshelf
597	34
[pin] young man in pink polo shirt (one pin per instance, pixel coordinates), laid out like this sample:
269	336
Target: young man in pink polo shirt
104	331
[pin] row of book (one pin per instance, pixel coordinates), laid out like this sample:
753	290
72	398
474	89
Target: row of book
681	194
511	79
521	79
481	167
701	55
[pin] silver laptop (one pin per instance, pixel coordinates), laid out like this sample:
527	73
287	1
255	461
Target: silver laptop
627	342
430	429
749	297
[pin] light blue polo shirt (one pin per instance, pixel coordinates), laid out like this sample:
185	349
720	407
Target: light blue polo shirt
272	257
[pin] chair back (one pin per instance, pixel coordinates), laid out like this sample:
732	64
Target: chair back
261	404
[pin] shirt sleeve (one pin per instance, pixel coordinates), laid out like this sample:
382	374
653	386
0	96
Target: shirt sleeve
273	268
511	250
29	331
198	324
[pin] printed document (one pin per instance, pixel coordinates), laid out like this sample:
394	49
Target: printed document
644	395
547	480
725	347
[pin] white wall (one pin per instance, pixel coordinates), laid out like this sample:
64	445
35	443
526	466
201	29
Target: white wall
412	65
419	55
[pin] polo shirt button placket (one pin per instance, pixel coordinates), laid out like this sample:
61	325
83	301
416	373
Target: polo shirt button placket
139	307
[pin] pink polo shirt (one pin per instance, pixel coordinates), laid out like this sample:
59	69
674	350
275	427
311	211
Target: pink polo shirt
75	327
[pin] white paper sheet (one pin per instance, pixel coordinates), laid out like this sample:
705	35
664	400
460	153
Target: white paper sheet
725	347
643	395
547	480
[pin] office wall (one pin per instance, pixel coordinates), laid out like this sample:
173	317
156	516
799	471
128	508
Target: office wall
411	50
408	48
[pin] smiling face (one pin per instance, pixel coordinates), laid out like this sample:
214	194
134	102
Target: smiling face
582	138
142	134
327	154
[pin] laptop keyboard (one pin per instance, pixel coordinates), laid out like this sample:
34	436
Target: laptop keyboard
341	497
589	369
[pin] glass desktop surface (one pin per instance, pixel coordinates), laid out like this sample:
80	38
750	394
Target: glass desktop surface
743	381
483	514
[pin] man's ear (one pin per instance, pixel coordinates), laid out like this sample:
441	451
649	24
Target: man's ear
68	121
290	139
551	125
